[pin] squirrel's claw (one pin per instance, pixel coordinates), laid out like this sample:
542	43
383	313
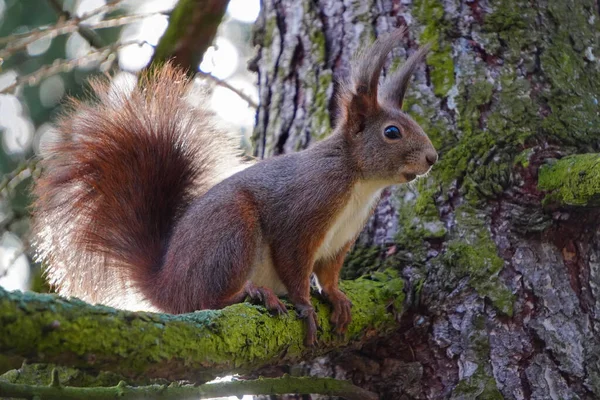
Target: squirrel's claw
266	297
341	315
308	313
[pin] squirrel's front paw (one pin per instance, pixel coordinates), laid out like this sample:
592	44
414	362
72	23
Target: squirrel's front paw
308	313
341	315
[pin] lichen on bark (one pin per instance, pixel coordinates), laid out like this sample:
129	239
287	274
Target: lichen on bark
509	91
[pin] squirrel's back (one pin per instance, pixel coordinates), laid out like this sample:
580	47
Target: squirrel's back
117	174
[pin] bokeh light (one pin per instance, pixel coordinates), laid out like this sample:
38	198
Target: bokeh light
40	46
14	267
17	129
86	6
135	57
244	10
52	89
220	60
231	107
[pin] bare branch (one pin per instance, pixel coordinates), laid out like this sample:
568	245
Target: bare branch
226	85
62	65
16	176
20	41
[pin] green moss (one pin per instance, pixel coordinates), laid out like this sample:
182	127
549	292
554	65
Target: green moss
475	260
40	374
489	120
394	287
572	181
425	203
361	260
269	32
475	255
495	115
574	82
418	220
507	15
201	345
183	16
522	159
442	71
317	39
431	14
479	386
320	121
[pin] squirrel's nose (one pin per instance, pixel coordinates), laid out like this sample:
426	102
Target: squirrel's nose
431	157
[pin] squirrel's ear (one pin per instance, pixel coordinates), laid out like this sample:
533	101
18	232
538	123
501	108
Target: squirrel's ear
359	98
395	85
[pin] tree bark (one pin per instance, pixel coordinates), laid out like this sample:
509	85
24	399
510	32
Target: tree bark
499	246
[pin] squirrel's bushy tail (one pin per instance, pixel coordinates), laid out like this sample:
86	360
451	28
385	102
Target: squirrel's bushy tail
117	174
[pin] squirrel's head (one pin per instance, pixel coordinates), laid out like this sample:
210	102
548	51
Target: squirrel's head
386	144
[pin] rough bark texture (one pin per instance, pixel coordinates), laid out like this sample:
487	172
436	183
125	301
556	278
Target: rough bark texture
500	246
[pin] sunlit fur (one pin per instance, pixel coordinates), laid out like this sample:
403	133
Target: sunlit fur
109	153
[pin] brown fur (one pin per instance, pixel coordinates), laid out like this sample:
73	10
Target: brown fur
129	199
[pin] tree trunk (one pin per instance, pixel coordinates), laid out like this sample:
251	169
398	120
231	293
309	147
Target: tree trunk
500	245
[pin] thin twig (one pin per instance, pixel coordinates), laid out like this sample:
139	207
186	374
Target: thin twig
23	40
226	85
61	65
70	26
16	176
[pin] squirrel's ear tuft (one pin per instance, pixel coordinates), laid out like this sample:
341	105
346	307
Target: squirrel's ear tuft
395	85
367	66
359	97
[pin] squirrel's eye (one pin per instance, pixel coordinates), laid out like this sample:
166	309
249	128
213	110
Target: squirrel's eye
392	132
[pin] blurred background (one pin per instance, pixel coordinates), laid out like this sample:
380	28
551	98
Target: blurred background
45	57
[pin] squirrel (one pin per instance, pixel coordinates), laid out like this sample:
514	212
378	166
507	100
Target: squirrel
135	198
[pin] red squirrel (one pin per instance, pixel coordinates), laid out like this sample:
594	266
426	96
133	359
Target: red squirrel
133	200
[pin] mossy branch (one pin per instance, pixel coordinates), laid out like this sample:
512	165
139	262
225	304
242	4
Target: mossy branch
192	29
197	346
261	386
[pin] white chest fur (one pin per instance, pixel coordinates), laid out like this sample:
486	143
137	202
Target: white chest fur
347	224
351	219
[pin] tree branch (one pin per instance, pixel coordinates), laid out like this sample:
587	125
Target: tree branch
197	346
15	177
61	65
192	29
222	83
261	386
20	41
